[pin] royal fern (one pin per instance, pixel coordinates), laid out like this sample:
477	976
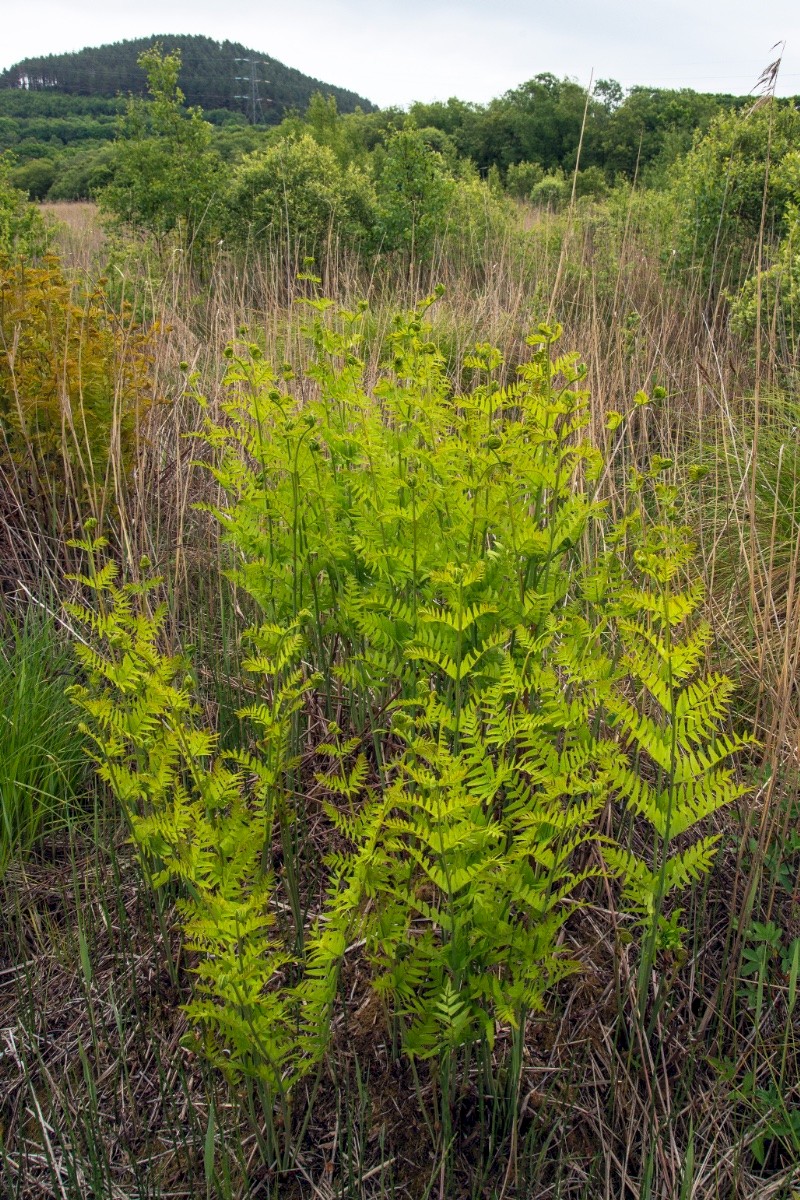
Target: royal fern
193	817
447	672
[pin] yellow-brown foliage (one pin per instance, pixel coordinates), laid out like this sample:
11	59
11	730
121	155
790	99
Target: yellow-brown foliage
75	380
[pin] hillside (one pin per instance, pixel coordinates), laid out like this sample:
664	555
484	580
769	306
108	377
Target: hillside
208	75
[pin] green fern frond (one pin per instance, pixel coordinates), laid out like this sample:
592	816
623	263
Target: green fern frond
692	864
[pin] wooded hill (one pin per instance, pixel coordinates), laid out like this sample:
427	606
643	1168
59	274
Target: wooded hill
208	75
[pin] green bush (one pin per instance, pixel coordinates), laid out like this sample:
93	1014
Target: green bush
75	383
35	177
415	192
479	224
521	179
551	191
84	175
776	296
591	182
296	193
22	231
718	189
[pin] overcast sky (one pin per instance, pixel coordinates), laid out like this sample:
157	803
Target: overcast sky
394	52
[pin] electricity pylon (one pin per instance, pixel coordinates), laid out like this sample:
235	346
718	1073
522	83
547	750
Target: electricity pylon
255	108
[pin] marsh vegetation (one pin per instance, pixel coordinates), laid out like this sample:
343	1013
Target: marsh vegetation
398	690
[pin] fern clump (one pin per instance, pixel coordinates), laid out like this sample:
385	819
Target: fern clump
463	869
191	814
432	594
672	764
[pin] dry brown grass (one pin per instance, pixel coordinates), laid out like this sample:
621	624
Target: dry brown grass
78	235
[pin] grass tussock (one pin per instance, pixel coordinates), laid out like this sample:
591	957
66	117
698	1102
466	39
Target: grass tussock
43	768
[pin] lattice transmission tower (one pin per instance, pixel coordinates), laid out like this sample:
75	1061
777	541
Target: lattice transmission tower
252	96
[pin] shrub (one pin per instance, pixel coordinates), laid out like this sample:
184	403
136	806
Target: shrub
415	192
719	189
550	192
776	296
591	182
34	177
22	231
296	193
478	227
521	178
85	175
